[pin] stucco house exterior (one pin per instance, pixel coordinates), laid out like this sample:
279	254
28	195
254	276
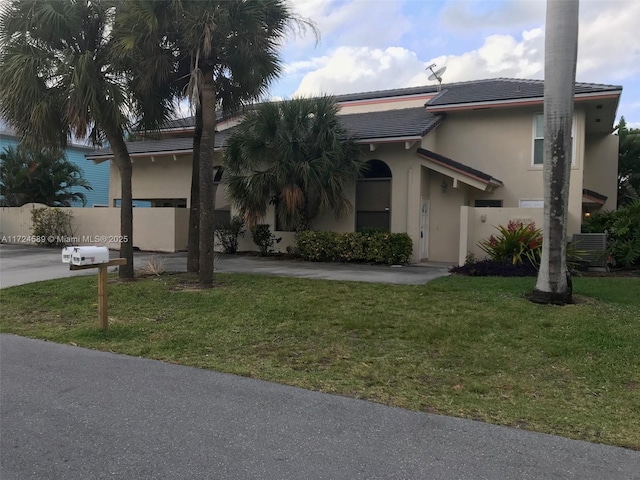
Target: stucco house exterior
445	163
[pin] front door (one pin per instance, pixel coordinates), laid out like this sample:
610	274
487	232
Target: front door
424	228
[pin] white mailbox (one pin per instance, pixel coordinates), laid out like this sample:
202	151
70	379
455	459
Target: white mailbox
66	254
89	255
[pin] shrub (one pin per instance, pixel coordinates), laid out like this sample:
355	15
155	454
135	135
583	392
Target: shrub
515	243
264	239
228	233
52	227
370	247
623	233
317	246
496	268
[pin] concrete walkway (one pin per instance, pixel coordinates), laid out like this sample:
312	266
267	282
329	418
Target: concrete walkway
20	264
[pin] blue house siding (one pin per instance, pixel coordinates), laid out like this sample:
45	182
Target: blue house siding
96	175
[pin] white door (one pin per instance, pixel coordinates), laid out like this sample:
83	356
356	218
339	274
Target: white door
424	228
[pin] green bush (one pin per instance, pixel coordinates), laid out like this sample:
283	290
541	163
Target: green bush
515	243
623	233
370	247
228	233
264	239
52	226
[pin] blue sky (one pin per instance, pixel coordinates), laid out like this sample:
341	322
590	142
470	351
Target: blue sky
381	44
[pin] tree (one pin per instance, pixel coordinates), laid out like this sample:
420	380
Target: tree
294	154
232	51
628	164
561	47
39	176
60	77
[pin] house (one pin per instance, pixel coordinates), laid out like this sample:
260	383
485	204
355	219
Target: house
447	165
96	174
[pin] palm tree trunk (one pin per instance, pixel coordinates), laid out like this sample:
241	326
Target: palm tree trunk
193	246
561	46
207	195
123	162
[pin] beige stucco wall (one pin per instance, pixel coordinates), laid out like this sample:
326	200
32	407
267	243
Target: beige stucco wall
477	224
601	167
162	178
500	143
154	229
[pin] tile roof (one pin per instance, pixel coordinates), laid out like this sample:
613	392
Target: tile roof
409	122
160	145
498	89
595	195
458	166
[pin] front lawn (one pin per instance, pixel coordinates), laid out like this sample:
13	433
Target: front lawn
469	347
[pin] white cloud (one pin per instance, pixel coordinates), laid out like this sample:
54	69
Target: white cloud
358	69
353	69
354	22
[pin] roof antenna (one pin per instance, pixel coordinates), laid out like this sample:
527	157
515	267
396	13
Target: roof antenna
437	75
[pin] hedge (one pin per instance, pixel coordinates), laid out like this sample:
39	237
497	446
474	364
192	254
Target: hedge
364	247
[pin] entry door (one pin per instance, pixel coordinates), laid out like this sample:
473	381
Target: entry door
424	228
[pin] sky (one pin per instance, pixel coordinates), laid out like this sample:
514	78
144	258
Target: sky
382	44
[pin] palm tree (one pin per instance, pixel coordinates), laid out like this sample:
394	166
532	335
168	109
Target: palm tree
39	176
295	154
232	52
59	78
561	47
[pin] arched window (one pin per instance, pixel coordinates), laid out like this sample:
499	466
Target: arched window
373	197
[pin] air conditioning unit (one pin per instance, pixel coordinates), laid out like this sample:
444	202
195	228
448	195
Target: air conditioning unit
593	248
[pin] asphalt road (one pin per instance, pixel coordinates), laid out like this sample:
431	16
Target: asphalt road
71	413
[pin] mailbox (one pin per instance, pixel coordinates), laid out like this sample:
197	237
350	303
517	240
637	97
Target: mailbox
66	254
89	255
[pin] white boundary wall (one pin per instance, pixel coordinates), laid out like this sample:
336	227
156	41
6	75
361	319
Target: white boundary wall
154	229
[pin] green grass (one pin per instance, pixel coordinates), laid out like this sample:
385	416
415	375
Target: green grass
469	347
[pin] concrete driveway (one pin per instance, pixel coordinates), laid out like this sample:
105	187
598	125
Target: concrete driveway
20	264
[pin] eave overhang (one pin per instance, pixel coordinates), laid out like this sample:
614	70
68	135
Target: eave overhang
458	171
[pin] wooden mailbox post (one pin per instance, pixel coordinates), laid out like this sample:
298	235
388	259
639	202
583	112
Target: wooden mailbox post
103	319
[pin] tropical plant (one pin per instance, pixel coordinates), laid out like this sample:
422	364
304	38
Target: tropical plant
60	76
623	233
553	285
293	154
628	164
515	243
40	176
231	49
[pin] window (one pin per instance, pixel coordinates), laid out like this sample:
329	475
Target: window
538	140
488	203
532	203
